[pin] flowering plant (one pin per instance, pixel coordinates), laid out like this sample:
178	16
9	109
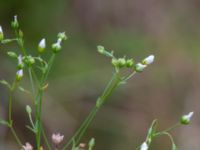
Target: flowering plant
38	84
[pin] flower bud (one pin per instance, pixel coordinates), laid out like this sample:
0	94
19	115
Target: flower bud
20	62
15	23
28	109
12	54
100	49
115	62
19	75
42	45
144	146
29	60
91	143
148	60
62	36
139	67
122	62
129	63
1	34
185	119
57	46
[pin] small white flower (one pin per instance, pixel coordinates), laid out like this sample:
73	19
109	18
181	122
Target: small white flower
140	67
185	119
57	138
27	146
42	45
148	60
144	146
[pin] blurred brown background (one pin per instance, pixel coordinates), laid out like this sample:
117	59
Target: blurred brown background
136	28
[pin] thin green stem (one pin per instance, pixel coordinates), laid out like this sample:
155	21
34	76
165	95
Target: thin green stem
46	139
10	121
15	136
87	125
112	85
31	80
39	101
79	130
168	129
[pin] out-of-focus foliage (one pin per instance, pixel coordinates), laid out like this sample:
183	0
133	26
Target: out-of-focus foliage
168	29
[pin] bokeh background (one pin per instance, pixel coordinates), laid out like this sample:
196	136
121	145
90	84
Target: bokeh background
170	87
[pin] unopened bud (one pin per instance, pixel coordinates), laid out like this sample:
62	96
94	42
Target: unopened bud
129	63
139	67
19	75
20	62
57	46
28	109
42	45
1	34
148	60
185	119
15	23
91	143
122	62
29	60
101	49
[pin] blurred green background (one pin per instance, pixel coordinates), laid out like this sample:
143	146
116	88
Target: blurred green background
169	29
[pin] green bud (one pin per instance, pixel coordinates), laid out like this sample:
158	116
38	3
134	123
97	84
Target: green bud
56	47
19	75
15	23
62	36
91	143
12	54
129	63
100	49
115	62
42	45
1	34
28	109
139	67
29	60
121	62
185	119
